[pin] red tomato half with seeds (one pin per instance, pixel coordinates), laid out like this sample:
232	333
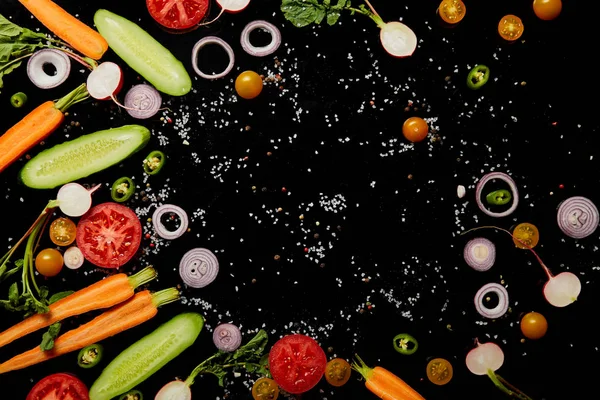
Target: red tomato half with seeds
59	387
178	14
297	363
109	235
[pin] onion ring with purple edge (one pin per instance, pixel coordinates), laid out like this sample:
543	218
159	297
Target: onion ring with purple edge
480	254
513	188
264	50
502	306
227	337
198	267
142	101
577	217
212	40
161	230
35	68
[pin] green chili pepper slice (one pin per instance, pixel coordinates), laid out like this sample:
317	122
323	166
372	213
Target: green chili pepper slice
18	100
122	189
154	162
498	197
90	356
405	344
132	395
478	77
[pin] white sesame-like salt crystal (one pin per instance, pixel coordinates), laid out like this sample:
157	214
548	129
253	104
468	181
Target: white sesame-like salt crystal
460	191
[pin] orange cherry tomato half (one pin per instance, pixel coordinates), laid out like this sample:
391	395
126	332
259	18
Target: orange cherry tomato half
510	27
534	325
337	372
452	11
63	231
439	371
526	233
265	389
248	85
415	129
49	262
547	9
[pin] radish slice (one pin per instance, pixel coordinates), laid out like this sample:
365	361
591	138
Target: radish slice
483	357
233	6
42	58
398	39
105	81
562	289
74	200
175	390
73	258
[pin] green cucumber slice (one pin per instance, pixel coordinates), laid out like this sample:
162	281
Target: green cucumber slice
81	157
146	356
143	53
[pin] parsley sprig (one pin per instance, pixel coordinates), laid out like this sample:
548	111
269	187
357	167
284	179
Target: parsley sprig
305	12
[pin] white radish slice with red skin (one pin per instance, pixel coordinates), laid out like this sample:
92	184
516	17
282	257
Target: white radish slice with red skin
398	39
562	289
74	200
233	6
484	357
73	258
175	390
105	81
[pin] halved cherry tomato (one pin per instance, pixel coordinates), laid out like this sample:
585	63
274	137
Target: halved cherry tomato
178	14
248	85
415	129
265	389
59	387
49	262
547	9
439	371
337	372
510	27
109	235
534	325
297	363
526	233
62	231
452	11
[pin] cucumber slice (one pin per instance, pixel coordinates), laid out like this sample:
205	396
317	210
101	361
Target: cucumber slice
146	356
78	158
143	53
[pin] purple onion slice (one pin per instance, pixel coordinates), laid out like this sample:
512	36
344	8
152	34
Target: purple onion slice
227	337
513	189
142	101
35	68
161	230
212	40
264	50
480	254
502	306
577	217
198	267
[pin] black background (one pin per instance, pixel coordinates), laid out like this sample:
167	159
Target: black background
401	232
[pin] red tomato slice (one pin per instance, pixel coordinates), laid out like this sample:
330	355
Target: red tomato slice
109	235
59	387
177	14
297	363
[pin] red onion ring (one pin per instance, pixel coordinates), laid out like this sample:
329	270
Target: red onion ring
513	188
227	337
212	40
161	230
577	217
502	306
35	68
480	254
142	101
264	50
198	267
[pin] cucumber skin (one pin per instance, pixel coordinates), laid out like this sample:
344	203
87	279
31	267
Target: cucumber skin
45	183
127	39
190	324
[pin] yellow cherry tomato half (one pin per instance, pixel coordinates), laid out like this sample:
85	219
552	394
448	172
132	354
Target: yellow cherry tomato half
534	325
49	262
63	231
248	85
415	129
337	372
452	11
510	27
547	9
265	389
526	235
439	371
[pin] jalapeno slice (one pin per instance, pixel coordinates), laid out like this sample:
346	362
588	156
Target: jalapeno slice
122	189
498	197
478	77
18	99
132	395
154	162
405	344
89	356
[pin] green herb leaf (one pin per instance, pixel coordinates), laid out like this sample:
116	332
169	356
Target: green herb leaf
59	296
19	263
49	336
43	293
13	294
303	12
8	29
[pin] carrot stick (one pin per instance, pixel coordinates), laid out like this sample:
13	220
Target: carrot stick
103	294
138	309
80	36
36	126
385	384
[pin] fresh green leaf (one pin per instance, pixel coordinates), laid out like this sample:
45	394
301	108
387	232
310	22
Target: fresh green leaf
13	294
43	293
54	329
49	336
303	12
9	29
19	263
59	296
